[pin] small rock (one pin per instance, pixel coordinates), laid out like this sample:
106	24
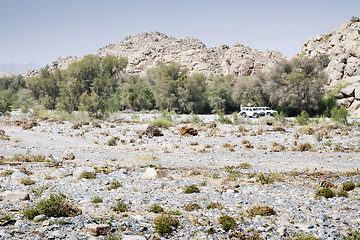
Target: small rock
68	155
15	195
39	218
97	229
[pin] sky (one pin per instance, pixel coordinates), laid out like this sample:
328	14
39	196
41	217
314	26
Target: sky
40	31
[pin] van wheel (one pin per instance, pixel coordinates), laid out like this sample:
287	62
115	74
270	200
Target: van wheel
243	115
256	115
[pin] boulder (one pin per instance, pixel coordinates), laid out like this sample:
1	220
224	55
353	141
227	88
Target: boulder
68	155
97	229
349	91
152	131
26	125
15	196
153	173
17	175
79	170
185	130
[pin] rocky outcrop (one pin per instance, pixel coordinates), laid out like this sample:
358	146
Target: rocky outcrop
147	50
342	48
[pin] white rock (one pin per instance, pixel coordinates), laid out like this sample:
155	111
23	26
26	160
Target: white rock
153	173
15	195
68	155
17	175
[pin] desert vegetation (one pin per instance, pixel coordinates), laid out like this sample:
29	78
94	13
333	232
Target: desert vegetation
98	87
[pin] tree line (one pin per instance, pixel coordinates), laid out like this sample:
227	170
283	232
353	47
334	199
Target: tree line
98	86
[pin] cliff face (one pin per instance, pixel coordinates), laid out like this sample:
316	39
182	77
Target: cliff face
146	50
342	46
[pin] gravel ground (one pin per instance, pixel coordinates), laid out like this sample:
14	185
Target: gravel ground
255	163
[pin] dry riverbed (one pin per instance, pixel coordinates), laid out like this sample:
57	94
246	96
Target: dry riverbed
271	178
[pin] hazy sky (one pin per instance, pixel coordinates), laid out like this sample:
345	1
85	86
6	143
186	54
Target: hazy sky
39	31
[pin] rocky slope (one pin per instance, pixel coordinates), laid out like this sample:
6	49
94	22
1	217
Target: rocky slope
342	46
146	50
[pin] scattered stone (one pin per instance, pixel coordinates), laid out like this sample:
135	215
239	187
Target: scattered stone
39	218
28	124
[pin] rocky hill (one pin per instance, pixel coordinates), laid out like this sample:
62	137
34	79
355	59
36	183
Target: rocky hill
146	50
342	46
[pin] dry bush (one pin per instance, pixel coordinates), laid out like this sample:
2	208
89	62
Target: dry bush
277	147
262	211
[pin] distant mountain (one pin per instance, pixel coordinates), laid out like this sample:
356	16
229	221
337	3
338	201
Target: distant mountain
17	68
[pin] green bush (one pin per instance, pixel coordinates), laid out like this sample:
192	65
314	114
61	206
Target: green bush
303	118
227	222
325	192
97	199
264	179
121	207
162	122
165	224
87	175
191	189
340	114
55	206
115	184
156	208
348	186
212	205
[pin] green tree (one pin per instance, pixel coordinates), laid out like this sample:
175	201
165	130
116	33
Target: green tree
137	94
219	93
191	93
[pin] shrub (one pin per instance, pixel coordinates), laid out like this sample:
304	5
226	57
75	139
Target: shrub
325	192
191	189
342	193
162	122
339	114
120	207
227	222
261	210
303	118
27	181
263	179
304	147
87	175
244	165
165	224
191	207
112	141
97	199
348	186
55	206
156	208
212	205
114	185
304	236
